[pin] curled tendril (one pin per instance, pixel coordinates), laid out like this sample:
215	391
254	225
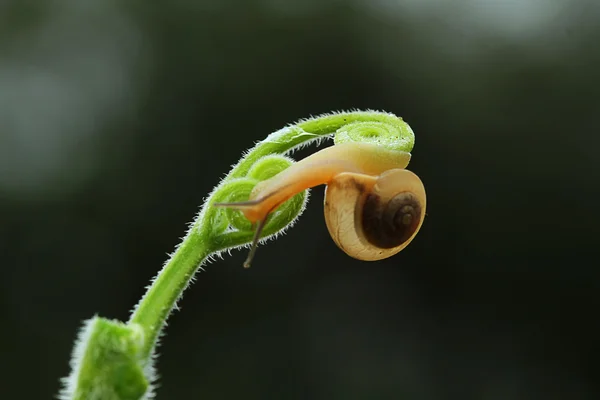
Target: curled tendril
233	228
383	134
386	131
230	228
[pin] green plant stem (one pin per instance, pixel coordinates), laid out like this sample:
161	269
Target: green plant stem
161	297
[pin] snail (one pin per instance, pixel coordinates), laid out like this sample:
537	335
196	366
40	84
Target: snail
373	206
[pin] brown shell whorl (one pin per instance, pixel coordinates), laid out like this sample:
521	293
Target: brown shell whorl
389	224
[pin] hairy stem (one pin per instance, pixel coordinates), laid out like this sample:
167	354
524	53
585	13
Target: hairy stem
161	297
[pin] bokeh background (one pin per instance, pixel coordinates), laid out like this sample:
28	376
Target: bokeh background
117	118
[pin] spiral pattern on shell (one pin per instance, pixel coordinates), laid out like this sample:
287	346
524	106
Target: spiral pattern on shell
389	224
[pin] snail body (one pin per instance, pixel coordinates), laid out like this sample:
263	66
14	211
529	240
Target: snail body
373	206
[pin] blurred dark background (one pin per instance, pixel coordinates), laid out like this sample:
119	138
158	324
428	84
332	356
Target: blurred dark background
117	119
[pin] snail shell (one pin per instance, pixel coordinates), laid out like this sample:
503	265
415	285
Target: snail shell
371	218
